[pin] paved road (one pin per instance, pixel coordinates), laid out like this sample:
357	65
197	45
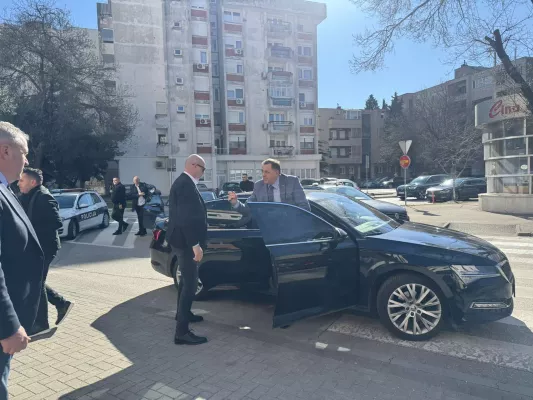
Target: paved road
117	343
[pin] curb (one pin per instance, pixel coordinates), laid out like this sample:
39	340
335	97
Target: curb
518	229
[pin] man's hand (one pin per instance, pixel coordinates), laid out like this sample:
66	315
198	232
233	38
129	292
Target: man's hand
198	253
120	206
232	198
16	342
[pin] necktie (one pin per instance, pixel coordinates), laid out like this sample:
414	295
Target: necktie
270	193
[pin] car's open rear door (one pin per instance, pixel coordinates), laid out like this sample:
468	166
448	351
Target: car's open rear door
316	264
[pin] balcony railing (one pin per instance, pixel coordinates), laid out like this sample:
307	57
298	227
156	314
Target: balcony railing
280	52
307	151
306	105
280	76
279	29
203	123
280	91
282	151
281	127
281	102
239	149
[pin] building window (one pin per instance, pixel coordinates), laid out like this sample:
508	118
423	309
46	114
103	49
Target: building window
236	117
353	114
240	69
237	142
278	117
217	94
200	4
218	119
301	97
307	143
108	58
201	116
304	51
308	121
235	94
300	28
280	91
215	69
305	74
107	35
352	170
232	16
213	25
277	69
214	45
203	57
342	170
238	44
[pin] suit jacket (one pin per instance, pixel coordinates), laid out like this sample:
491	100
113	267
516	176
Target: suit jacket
135	194
43	212
119	195
187	224
291	192
21	267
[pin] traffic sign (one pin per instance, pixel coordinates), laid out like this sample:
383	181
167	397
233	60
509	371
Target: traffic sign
405	161
405	145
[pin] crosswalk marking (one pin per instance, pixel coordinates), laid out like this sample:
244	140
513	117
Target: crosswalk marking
105	237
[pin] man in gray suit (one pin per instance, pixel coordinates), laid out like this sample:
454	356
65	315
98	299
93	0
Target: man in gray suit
275	187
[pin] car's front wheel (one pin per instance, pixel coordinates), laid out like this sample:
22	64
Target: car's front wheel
411	307
105	220
201	290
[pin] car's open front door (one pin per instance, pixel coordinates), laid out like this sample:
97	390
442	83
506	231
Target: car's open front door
316	264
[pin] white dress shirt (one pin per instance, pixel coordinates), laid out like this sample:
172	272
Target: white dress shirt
142	201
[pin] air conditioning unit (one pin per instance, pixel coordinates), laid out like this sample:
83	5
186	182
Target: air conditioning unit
180	109
159	165
178	52
302	104
238	52
239	101
182	137
177	25
204	121
265	126
179	81
264	75
200	66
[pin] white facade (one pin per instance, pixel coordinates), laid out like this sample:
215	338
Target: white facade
198	73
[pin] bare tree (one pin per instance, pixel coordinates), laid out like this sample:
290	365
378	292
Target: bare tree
470	29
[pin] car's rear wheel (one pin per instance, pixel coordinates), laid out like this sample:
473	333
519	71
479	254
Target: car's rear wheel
73	230
411	307
105	220
201	290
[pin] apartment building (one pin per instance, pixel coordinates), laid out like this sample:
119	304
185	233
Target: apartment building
351	140
232	80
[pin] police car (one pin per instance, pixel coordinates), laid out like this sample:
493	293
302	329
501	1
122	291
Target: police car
80	210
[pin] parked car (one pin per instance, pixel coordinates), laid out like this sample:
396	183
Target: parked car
229	187
465	188
342	182
418	186
345	254
392	183
80	210
393	211
131	190
309	182
202	186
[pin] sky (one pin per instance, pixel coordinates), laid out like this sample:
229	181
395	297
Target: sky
412	67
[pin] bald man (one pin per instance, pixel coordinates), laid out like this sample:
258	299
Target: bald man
140	193
187	234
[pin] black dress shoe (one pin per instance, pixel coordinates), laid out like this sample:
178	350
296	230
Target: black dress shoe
117	233
63	310
138	234
190	339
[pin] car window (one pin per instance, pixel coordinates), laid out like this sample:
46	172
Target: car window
364	219
207	196
85	199
95	198
420	179
435	179
222	205
305	226
229	186
65	202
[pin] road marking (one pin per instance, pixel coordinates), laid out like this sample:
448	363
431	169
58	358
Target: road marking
321	346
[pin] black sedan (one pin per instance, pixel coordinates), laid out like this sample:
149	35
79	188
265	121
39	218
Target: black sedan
395	212
465	189
418	186
344	254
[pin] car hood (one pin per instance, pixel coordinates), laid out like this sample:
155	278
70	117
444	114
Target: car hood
439	188
437	243
66	213
385	207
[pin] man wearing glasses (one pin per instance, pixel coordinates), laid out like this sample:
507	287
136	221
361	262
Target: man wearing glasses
187	234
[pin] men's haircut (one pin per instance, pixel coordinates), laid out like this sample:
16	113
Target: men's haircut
9	133
34	173
274	163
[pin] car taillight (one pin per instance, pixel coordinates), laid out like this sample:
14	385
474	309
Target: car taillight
156	234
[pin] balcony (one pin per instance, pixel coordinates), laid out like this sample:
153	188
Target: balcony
203	123
162	150
237	150
283	127
280	77
237	127
162	121
307	151
232	28
236	102
282	151
305	36
279	29
280	102
199	41
280	53
307	129
235	53
306	105
306	82
200	67
198	15
306	60
201	97
204	149
235	77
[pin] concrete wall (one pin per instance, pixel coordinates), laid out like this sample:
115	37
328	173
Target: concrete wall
519	204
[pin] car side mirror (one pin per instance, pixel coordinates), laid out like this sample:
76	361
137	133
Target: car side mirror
82	206
340	234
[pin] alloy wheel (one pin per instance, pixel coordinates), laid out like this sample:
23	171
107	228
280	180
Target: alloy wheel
414	309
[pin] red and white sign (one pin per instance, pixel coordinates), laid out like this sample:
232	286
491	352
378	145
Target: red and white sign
405	161
500	109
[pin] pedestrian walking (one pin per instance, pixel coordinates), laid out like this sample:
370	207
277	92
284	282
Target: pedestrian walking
43	212
140	193
118	198
187	234
21	256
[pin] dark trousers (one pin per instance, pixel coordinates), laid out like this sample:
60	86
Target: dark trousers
118	215
186	289
5	361
140	217
48	295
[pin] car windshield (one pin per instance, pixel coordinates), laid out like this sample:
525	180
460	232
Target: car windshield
65	201
420	179
156	199
364	219
230	186
449	182
348	191
207	196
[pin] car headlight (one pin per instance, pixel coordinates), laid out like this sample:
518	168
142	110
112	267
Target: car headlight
472	273
446	190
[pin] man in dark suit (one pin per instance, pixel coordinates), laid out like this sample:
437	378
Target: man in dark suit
140	193
118	198
275	187
187	234
43	212
246	184
21	256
